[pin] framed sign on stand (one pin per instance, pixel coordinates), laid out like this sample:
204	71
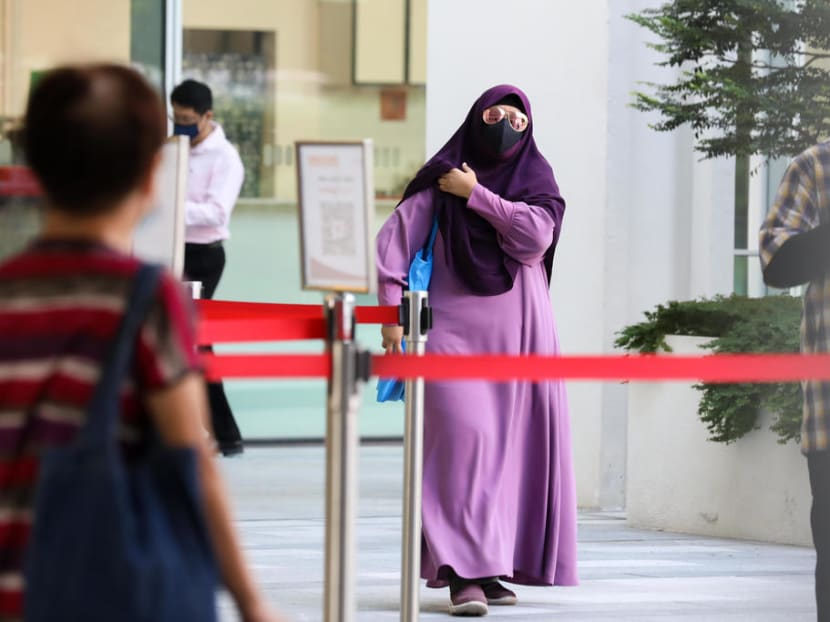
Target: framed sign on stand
336	200
336	208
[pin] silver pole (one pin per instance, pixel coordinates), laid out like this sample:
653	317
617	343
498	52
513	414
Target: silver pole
341	462
173	40
194	288
413	463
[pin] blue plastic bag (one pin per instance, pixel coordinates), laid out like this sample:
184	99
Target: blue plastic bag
391	389
420	273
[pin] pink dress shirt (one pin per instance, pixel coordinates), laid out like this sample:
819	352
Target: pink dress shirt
214	181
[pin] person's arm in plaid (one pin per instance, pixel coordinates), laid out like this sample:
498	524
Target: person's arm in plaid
794	247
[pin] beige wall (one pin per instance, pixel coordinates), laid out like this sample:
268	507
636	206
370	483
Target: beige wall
379	55
355	113
381	52
39	34
295	21
418	41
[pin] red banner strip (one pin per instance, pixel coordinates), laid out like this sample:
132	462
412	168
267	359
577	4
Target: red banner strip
711	368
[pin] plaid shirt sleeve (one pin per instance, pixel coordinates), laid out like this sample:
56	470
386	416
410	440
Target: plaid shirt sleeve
801	204
794	210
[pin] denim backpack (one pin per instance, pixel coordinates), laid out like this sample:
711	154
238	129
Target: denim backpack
117	540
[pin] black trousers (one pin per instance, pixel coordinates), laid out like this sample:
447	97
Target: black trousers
205	263
819	465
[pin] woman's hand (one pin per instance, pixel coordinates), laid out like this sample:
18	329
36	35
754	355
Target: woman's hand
459	182
392	337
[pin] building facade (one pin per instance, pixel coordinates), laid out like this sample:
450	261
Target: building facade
647	220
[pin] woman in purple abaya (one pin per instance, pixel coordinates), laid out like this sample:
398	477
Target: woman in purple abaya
498	489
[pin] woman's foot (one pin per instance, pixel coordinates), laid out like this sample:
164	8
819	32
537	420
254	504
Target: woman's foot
497	594
467	598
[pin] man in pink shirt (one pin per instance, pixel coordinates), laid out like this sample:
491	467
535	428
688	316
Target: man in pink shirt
215	176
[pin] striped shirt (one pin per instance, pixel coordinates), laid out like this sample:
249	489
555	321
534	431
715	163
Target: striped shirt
60	305
803	203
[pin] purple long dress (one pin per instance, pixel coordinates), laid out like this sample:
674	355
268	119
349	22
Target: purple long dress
498	487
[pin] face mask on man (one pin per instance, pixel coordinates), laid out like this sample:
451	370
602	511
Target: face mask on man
191	131
500	137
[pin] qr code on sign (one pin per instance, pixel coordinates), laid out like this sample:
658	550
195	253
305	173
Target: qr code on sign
338	229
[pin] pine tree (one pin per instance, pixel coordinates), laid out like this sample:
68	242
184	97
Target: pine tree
755	74
754	79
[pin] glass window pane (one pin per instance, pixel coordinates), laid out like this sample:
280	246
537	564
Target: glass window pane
238	65
38	35
741	272
283	71
147	39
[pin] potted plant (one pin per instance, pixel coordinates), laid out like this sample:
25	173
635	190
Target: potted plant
700	456
735	324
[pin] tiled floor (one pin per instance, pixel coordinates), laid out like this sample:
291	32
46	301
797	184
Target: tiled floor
627	575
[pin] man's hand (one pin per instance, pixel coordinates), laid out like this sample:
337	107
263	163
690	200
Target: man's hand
392	336
459	182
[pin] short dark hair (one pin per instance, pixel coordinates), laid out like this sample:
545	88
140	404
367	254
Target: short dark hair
91	133
193	94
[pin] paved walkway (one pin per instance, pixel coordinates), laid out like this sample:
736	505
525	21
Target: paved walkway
627	575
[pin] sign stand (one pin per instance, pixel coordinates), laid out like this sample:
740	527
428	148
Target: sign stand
349	366
336	196
417	321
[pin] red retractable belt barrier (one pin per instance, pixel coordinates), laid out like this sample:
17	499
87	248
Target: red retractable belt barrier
649	367
260	329
226	321
18	181
218	367
710	368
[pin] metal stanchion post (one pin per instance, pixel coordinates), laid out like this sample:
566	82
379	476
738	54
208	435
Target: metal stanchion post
194	288
416	323
348	367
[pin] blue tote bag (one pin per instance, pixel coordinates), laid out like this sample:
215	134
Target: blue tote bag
114	540
420	273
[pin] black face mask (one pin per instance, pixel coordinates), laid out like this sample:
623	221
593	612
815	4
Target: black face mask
501	136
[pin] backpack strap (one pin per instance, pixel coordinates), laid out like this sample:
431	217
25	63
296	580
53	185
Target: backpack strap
103	410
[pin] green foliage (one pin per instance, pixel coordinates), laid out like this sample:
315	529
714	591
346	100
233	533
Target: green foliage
738	99
737	325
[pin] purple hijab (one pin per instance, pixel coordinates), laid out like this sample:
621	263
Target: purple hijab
520	174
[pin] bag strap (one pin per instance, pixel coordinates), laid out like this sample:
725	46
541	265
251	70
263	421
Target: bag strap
103	409
428	248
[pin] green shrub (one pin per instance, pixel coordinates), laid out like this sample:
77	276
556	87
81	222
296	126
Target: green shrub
737	325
